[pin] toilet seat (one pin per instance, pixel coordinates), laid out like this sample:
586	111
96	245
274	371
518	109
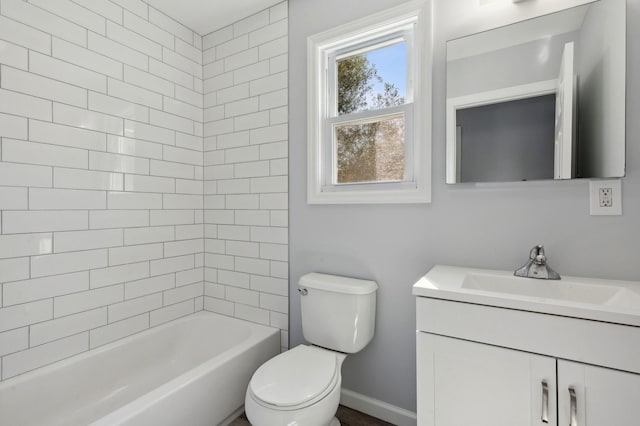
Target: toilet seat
295	379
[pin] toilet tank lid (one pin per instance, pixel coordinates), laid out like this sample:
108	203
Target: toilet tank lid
337	283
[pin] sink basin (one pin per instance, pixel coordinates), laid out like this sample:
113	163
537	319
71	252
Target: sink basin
562	290
589	298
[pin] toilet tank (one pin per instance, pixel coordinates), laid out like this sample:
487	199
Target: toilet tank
337	312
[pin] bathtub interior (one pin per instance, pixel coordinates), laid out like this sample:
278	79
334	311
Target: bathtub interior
88	386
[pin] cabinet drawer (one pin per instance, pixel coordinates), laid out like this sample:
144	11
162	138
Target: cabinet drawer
592	342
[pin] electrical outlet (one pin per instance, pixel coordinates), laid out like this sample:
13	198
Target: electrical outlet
606	197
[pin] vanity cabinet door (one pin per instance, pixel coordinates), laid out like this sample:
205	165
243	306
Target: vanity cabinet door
602	396
463	383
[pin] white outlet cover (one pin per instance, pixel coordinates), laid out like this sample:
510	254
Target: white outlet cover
616	197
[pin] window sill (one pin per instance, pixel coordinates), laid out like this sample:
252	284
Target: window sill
395	196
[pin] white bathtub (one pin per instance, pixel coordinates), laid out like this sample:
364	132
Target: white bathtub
193	371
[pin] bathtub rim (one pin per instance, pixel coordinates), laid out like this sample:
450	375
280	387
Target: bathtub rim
143	402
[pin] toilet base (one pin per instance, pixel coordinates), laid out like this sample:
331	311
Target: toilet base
334	422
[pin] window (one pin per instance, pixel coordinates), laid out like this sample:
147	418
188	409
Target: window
369	113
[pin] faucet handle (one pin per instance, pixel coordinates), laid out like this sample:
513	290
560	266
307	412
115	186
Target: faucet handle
535	250
537	255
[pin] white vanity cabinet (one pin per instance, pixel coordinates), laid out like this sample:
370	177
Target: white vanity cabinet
468	383
502	361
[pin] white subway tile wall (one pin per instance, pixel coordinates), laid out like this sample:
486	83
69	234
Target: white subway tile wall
142	178
132	191
101	176
245	169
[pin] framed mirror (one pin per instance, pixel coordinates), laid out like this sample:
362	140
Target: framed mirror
539	99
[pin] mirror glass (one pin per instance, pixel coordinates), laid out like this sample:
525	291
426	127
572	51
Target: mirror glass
539	99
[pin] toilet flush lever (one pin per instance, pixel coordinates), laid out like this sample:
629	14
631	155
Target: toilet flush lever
303	291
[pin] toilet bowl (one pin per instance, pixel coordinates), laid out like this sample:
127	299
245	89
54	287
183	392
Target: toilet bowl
301	387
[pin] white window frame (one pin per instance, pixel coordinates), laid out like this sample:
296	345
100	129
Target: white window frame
412	23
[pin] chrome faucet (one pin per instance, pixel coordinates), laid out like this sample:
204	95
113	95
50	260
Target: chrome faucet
537	267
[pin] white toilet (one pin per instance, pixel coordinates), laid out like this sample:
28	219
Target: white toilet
301	387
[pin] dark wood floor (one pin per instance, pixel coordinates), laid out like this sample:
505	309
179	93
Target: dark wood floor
347	417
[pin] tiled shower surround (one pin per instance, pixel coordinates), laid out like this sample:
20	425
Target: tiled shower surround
143	174
245	173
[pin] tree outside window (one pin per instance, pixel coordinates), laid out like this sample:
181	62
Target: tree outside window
372	151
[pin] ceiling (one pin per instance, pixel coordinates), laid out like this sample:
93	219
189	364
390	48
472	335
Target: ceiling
205	16
542	27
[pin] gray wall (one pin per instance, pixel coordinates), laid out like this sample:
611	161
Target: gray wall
601	86
478	225
508	141
507	67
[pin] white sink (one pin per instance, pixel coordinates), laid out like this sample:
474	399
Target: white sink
598	299
563	290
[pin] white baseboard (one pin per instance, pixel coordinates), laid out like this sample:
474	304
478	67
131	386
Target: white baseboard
357	401
376	408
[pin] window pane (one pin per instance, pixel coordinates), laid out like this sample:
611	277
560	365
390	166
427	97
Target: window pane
372	80
370	152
